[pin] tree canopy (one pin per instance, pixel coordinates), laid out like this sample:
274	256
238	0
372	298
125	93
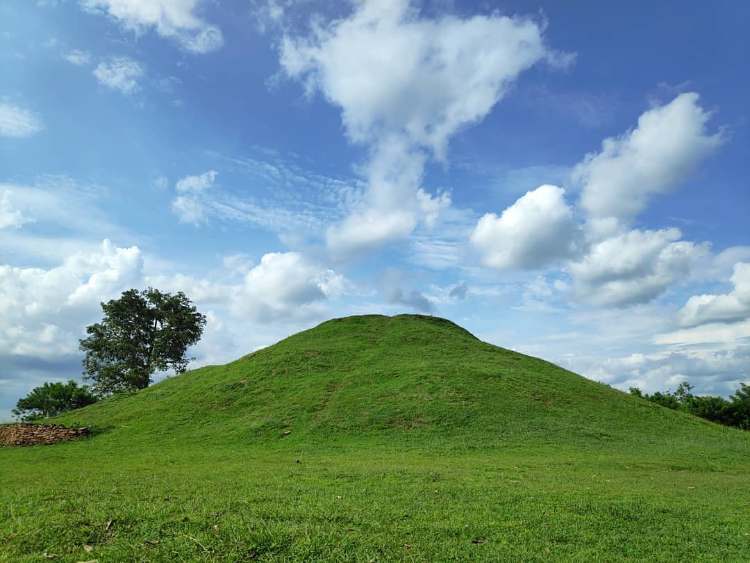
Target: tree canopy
52	399
142	332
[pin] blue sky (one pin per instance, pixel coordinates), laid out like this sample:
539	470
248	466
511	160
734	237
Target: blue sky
565	179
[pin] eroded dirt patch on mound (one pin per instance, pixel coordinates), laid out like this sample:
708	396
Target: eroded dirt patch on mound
34	434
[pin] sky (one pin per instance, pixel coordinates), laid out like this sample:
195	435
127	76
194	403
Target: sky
566	179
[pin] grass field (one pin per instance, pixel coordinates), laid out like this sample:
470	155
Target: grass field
373	439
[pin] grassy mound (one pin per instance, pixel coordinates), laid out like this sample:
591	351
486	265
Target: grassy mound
380	438
373	376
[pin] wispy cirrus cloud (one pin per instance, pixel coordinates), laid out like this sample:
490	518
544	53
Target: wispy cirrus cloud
18	122
78	57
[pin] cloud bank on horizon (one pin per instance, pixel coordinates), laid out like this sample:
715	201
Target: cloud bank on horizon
315	162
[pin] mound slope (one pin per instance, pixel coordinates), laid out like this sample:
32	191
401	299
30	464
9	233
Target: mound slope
376	376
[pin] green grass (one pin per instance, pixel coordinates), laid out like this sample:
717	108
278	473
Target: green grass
376	438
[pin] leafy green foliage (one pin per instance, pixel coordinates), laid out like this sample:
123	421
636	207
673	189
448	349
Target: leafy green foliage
387	439
732	412
52	399
142	332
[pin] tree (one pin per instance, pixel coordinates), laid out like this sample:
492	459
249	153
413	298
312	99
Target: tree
142	332
52	399
739	407
684	393
715	409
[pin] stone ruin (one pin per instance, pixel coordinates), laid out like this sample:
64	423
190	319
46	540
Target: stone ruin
26	434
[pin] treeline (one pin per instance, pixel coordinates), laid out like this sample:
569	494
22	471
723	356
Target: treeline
734	411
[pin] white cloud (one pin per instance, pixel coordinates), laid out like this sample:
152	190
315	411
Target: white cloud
537	230
393	204
173	19
78	57
57	202
633	267
120	73
286	285
282	286
18	122
668	143
43	220
10	217
543	295
196	183
728	307
189	210
712	335
51	210
43	311
392	72
191	206
710	371
405	85
367	229
286	199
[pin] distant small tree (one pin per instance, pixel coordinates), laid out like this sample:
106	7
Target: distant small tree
142	332
52	399
684	393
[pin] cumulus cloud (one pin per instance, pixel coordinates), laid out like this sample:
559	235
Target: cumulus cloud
667	144
119	73
633	267
286	285
282	286
710	371
42	311
728	307
537	230
173	19
621	266
405	84
18	122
